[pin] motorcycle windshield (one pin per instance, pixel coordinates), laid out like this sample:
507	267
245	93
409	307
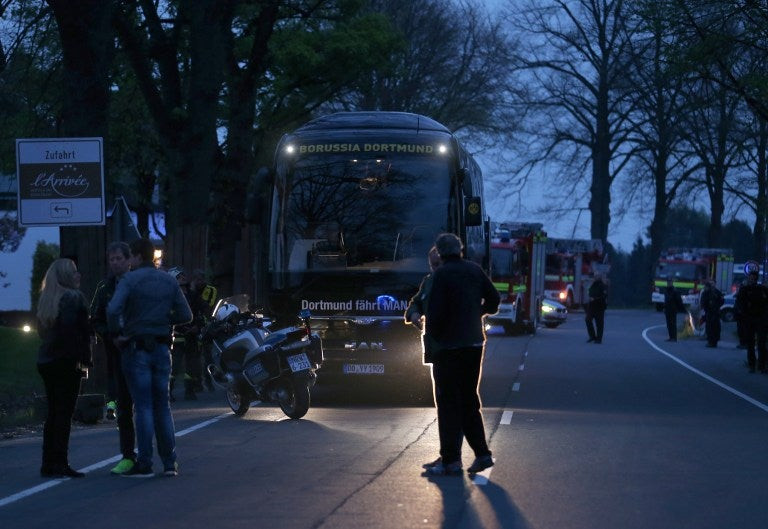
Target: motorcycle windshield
241	301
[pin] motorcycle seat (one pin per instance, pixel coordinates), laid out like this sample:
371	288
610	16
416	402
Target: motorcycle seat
274	339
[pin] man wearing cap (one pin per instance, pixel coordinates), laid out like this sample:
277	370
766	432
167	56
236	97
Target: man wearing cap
752	307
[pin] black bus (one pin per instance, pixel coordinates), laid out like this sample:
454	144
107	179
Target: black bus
357	199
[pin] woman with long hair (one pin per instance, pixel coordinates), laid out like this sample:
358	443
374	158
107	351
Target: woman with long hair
62	317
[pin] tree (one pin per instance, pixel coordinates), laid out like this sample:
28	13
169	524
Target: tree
87	45
577	55
661	159
450	64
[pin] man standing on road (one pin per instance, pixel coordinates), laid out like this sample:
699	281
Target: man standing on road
596	310
461	295
673	304
710	301
120	402
752	307
146	305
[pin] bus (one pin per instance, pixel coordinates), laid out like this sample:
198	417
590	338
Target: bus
357	200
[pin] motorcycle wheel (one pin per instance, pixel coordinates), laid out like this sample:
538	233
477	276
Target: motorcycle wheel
238	401
293	399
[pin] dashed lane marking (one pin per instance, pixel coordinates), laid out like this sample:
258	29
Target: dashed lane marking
506	417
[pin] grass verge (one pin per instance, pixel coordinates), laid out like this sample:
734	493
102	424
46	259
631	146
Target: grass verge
20	384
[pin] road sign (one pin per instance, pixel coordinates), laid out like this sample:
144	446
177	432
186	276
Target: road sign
61	181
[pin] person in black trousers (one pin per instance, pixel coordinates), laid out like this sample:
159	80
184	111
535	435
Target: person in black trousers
118	257
461	295
752	305
595	313
62	317
673	304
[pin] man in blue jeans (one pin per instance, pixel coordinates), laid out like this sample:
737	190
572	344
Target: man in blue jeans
146	305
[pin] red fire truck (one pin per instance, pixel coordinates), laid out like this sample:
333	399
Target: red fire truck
571	265
689	268
517	270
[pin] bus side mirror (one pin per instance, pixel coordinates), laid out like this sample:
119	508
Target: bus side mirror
256	199
473	212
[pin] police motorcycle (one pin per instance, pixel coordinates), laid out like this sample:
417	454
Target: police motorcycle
250	361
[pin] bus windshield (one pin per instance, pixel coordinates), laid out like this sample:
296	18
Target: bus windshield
335	212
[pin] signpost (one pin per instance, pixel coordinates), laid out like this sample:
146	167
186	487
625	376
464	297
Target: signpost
61	181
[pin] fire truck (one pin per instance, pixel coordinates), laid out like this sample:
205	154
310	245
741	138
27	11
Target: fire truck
689	268
517	271
571	265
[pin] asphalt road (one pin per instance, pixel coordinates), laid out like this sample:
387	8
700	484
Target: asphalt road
631	433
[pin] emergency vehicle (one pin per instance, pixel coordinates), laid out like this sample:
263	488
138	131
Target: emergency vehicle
571	265
689	268
517	271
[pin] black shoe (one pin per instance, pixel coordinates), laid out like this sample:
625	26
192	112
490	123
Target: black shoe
138	472
70	472
751	369
60	472
590	340
480	464
438	461
711	345
598	341
450	469
671	339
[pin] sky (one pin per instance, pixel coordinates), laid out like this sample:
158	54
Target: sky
18	266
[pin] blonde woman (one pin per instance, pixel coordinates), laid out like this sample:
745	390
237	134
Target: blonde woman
62	315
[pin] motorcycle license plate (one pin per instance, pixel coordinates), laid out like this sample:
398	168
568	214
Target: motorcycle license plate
298	362
363	369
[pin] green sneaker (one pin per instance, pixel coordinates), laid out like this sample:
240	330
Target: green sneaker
123	466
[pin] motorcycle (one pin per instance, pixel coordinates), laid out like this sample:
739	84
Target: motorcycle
249	361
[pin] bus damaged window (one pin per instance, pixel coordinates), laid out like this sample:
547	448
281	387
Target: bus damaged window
336	212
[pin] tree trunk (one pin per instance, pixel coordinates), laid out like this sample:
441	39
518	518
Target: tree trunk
87	45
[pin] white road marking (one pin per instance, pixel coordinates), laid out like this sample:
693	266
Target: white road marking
522	367
516	386
506	417
53	482
703	375
482	478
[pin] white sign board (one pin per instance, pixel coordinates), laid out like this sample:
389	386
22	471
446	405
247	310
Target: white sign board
61	181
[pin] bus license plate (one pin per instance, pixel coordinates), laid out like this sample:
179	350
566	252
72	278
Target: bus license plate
363	369
298	362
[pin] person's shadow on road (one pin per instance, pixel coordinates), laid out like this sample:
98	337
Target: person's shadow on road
459	511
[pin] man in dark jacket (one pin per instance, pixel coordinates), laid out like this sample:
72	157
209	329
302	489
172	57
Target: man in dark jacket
752	306
461	295
118	257
596	309
673	304
710	302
